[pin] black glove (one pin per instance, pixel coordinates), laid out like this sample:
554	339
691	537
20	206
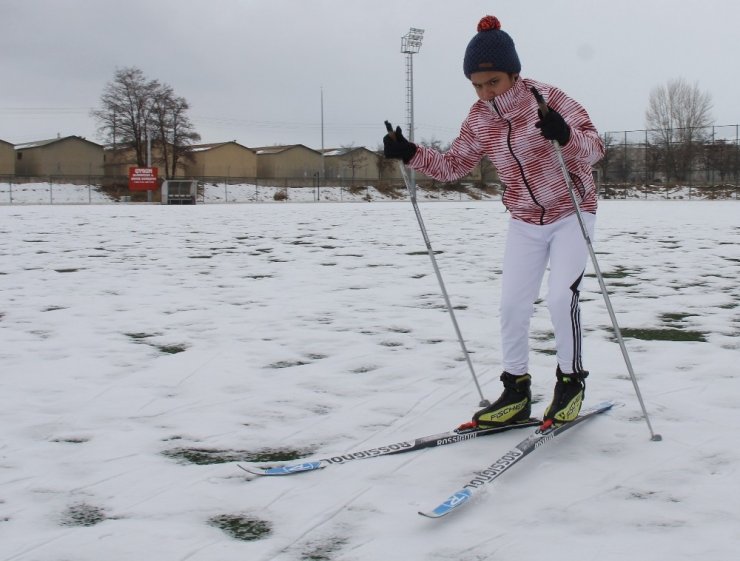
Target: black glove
396	147
553	126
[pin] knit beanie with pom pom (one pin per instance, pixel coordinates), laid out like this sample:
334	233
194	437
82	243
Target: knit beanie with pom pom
491	50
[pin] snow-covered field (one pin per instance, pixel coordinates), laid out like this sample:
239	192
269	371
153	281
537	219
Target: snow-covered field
146	349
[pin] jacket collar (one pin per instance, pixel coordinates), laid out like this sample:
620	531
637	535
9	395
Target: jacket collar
512	101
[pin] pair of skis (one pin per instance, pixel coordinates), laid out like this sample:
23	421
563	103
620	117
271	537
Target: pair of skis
469	489
431	441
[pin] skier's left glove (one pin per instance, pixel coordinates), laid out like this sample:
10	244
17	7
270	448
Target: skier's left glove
396	147
553	127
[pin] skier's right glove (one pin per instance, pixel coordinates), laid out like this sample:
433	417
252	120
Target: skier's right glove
396	147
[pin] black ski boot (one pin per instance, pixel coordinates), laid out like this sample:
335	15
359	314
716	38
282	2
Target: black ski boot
570	390
514	405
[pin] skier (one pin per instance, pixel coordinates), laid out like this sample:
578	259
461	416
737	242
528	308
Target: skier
506	125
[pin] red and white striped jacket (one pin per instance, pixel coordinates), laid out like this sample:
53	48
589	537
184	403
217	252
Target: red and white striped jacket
503	130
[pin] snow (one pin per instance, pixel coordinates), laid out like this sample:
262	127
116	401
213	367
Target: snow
69	193
132	332
239	192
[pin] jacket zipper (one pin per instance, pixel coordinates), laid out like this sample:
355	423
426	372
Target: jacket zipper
519	164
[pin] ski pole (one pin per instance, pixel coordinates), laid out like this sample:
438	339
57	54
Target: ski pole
412	194
571	190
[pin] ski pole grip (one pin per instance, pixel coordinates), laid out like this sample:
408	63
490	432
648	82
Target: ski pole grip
540	101
389	128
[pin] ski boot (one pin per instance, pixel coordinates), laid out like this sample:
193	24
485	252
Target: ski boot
570	390
514	405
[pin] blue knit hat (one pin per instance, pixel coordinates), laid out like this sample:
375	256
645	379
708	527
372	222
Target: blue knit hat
491	50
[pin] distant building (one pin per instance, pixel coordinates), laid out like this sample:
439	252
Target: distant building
7	158
222	159
117	162
68	156
293	161
483	172
351	163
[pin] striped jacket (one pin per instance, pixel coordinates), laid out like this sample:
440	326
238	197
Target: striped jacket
503	130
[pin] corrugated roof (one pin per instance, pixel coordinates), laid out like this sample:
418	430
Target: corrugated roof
35	144
274	149
39	143
336	151
343	151
212	145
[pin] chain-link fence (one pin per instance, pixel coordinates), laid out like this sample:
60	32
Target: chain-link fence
692	162
685	163
100	190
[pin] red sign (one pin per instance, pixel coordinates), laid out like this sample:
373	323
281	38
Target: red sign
142	179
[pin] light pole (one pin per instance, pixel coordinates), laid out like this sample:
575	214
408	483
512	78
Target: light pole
410	45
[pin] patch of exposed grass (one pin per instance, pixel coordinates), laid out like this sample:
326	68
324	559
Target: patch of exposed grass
239	527
172	349
71	440
664	334
210	456
619	272
139	336
676	317
82	514
287	363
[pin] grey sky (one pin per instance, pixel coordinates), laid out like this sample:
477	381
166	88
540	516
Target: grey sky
253	70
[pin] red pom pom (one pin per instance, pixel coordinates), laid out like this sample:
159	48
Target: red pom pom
488	23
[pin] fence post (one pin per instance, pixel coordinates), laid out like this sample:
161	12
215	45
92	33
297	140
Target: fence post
647	176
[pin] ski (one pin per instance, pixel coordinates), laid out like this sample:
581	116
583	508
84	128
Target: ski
431	441
513	456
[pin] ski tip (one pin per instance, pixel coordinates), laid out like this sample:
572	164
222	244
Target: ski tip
288	469
605	405
250	469
427	514
453	503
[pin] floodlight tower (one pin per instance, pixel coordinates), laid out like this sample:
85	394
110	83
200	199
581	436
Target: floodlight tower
410	45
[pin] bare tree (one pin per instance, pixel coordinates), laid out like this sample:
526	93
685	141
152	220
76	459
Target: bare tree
132	107
174	132
604	165
721	156
125	111
678	115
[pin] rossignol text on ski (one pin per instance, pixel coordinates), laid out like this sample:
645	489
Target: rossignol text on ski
431	441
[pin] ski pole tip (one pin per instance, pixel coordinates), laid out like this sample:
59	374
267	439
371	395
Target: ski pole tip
656	438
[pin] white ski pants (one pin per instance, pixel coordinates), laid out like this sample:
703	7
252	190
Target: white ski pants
529	248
